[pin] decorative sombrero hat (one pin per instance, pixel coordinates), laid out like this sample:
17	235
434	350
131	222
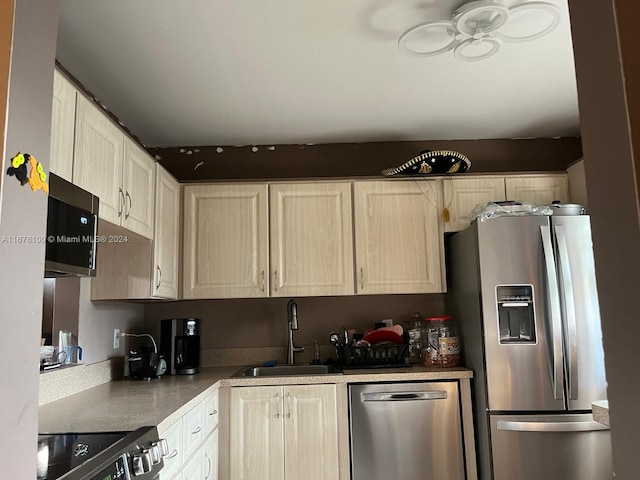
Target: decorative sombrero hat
432	161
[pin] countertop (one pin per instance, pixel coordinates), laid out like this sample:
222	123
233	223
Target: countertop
125	405
601	411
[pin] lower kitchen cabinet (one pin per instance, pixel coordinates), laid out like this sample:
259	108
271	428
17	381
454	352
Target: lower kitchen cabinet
193	441
284	433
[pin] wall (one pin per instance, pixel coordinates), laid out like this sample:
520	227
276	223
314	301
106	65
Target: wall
96	321
28	125
608	72
361	159
263	322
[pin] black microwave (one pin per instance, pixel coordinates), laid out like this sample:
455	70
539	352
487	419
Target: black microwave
72	230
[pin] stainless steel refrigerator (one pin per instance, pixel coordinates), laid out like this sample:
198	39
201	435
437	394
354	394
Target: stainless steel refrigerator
523	291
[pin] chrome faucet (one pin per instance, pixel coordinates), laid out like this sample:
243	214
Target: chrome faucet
292	322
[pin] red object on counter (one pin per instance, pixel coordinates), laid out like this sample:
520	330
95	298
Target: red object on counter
383	336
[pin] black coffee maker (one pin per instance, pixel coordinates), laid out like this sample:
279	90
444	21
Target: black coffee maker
181	343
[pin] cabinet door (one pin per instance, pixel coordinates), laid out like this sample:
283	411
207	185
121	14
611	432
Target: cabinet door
173	461
97	165
256	434
139	184
541	189
462	195
211	457
311	432
311	239
166	236
195	467
226	241
397	237
63	121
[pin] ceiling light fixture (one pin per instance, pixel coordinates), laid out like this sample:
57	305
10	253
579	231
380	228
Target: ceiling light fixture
477	28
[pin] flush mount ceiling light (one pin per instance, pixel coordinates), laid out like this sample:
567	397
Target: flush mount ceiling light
477	28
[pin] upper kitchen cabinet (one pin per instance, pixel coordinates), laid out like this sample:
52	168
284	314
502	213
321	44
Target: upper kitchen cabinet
63	115
226	241
139	187
398	241
110	165
462	195
166	238
541	189
311	239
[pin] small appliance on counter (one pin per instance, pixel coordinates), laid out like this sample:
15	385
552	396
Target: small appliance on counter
144	363
181	343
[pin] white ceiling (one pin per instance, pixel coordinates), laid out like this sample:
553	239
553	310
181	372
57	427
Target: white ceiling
258	72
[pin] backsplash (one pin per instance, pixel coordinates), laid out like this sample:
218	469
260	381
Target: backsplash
248	323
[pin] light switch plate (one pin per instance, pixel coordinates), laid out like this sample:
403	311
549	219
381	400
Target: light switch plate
116	339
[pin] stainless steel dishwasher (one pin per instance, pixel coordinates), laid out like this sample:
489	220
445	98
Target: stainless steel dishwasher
406	431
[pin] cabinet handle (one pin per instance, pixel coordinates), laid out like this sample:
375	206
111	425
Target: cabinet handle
289	404
197	430
159	270
208	466
277	397
361	278
275	282
173	453
213	413
263	284
128	212
121	202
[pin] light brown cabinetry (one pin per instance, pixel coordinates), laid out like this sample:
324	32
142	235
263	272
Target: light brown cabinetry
166	238
226	241
398	240
63	115
259	240
110	165
311	239
463	194
283	433
542	189
193	441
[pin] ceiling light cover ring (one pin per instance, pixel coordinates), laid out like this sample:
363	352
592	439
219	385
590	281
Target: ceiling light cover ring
542	6
405	37
474	10
458	51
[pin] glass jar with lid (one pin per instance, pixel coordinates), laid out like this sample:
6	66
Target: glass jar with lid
440	342
413	327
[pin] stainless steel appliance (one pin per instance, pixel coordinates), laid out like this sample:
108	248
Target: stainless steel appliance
181	344
408	431
72	227
524	292
136	455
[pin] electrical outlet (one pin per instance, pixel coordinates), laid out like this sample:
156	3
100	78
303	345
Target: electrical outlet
116	338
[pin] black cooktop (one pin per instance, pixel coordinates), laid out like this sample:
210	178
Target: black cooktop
60	453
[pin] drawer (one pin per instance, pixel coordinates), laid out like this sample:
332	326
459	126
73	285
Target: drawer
211	457
192	430
211	412
173	461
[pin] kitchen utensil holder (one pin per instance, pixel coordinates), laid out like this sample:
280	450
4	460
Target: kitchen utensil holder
374	357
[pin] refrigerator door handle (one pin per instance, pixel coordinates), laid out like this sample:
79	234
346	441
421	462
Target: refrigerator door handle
570	312
554	312
513	426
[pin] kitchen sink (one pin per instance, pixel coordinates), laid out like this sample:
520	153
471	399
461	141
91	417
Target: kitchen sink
286	371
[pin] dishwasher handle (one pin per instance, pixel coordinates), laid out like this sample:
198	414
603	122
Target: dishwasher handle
403	396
